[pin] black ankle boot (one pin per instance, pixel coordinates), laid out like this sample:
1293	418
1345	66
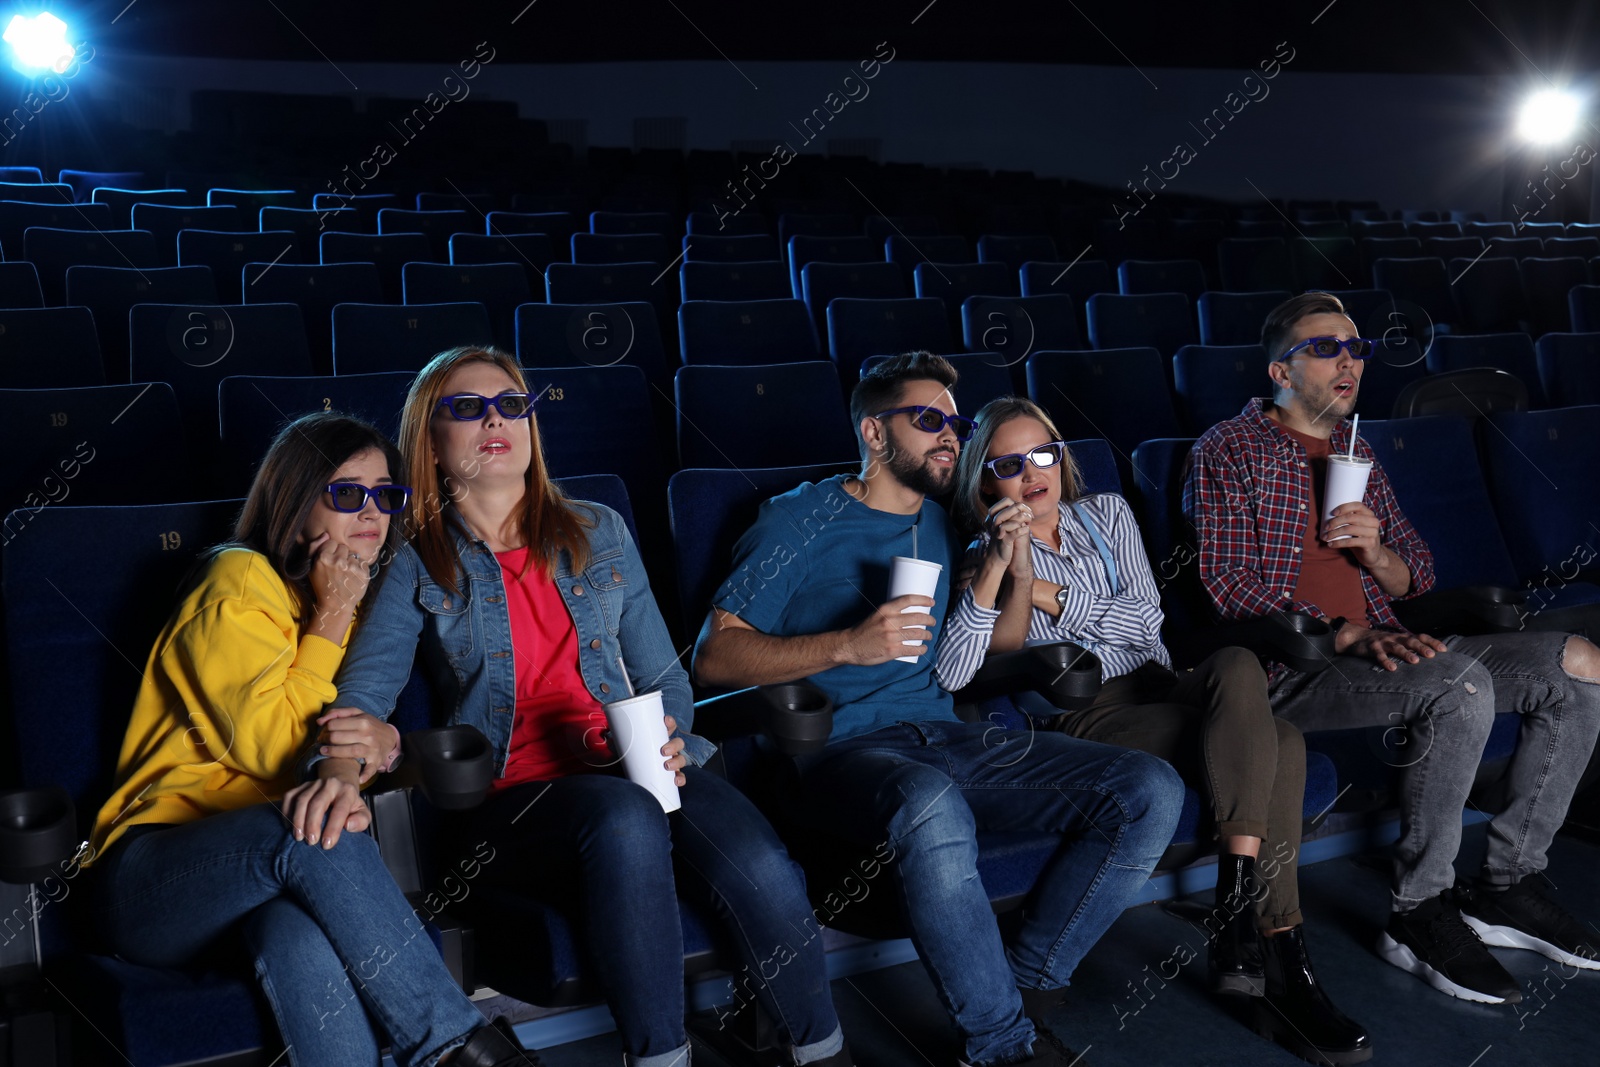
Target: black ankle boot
1235	958
1298	1015
494	1045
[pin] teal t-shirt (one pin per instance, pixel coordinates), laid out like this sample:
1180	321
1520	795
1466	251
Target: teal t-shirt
817	560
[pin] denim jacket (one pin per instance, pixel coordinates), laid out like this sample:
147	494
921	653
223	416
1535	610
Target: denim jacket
466	639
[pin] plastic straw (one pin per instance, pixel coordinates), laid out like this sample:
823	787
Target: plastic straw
914	542
1354	424
625	679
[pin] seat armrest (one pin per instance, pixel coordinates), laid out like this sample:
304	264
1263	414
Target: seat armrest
797	717
1472	609
1065	674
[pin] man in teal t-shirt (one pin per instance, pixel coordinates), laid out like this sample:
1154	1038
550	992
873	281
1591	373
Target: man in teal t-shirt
808	599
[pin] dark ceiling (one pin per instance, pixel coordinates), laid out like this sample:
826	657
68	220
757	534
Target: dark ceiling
1524	37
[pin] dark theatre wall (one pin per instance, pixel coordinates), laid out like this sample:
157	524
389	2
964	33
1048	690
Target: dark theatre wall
1405	140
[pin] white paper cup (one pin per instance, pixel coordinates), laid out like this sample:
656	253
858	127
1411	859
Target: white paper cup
638	730
1347	484
913	576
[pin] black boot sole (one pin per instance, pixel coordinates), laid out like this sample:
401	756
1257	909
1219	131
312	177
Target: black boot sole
1274	1028
1245	985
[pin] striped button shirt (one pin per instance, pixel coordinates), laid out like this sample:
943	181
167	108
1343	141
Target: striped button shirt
1123	629
1248	496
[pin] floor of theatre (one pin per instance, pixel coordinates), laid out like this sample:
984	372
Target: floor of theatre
893	1018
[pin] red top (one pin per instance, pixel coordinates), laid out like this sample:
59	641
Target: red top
1330	577
558	722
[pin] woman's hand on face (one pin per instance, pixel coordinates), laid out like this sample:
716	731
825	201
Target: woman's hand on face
338	576
673	750
350	733
321	810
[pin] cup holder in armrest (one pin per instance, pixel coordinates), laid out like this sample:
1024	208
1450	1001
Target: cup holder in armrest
454	764
1065	674
38	831
1302	641
798	716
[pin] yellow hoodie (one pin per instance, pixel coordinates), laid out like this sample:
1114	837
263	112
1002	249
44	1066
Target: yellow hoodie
231	694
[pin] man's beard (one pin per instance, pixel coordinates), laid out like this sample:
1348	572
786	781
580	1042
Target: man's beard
1325	405
914	471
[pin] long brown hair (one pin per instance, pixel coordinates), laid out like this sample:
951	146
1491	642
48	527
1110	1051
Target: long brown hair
967	501
548	522
298	466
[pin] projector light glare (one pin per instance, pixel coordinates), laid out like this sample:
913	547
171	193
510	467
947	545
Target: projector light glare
39	43
1548	116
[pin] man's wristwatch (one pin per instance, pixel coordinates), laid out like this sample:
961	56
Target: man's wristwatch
1061	600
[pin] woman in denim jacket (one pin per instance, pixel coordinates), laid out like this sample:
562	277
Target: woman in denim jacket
496	553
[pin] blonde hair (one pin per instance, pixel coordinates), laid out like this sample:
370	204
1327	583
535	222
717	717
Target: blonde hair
967	503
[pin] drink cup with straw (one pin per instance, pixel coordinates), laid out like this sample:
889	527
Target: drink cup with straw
908	575
638	731
1347	479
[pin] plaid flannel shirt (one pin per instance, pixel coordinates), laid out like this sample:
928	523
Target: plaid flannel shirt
1247	493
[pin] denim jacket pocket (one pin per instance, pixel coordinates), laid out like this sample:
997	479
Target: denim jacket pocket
450	615
605	576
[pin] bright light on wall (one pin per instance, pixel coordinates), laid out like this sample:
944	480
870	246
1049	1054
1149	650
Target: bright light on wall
39	43
1548	116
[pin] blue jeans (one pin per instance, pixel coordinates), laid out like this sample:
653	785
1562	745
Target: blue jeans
600	850
929	787
1446	705
335	938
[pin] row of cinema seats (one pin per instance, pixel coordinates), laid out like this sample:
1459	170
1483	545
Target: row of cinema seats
75	634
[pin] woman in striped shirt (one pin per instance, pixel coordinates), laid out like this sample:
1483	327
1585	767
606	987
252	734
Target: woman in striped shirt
1050	564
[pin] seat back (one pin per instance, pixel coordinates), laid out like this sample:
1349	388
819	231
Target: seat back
1488	294
52	251
1137	276
45	348
559	226
1569	367
316	288
861	328
1420	280
91	445
227	253
779	415
709	511
111	292
731	248
308	225
804	248
1213	382
1161	321
760	279
572	401
194	348
1079	280
1235	318
500	287
823	282
1117	394
593	335
121	201
745	332
251	201
1433	466
1545	285
1015	251
253	408
78	638
1510	352
1012	327
389	253
378	337
622	248
436	226
1541	467
1474	393
1325	262
1254	264
630	222
166	221
19	286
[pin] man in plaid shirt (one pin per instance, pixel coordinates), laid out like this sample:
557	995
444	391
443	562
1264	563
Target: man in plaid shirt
1254	495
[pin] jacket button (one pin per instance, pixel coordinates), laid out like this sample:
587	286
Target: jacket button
595	643
604	688
447	603
577	590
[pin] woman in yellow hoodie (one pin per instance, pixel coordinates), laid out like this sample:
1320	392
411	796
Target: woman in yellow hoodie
210	831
